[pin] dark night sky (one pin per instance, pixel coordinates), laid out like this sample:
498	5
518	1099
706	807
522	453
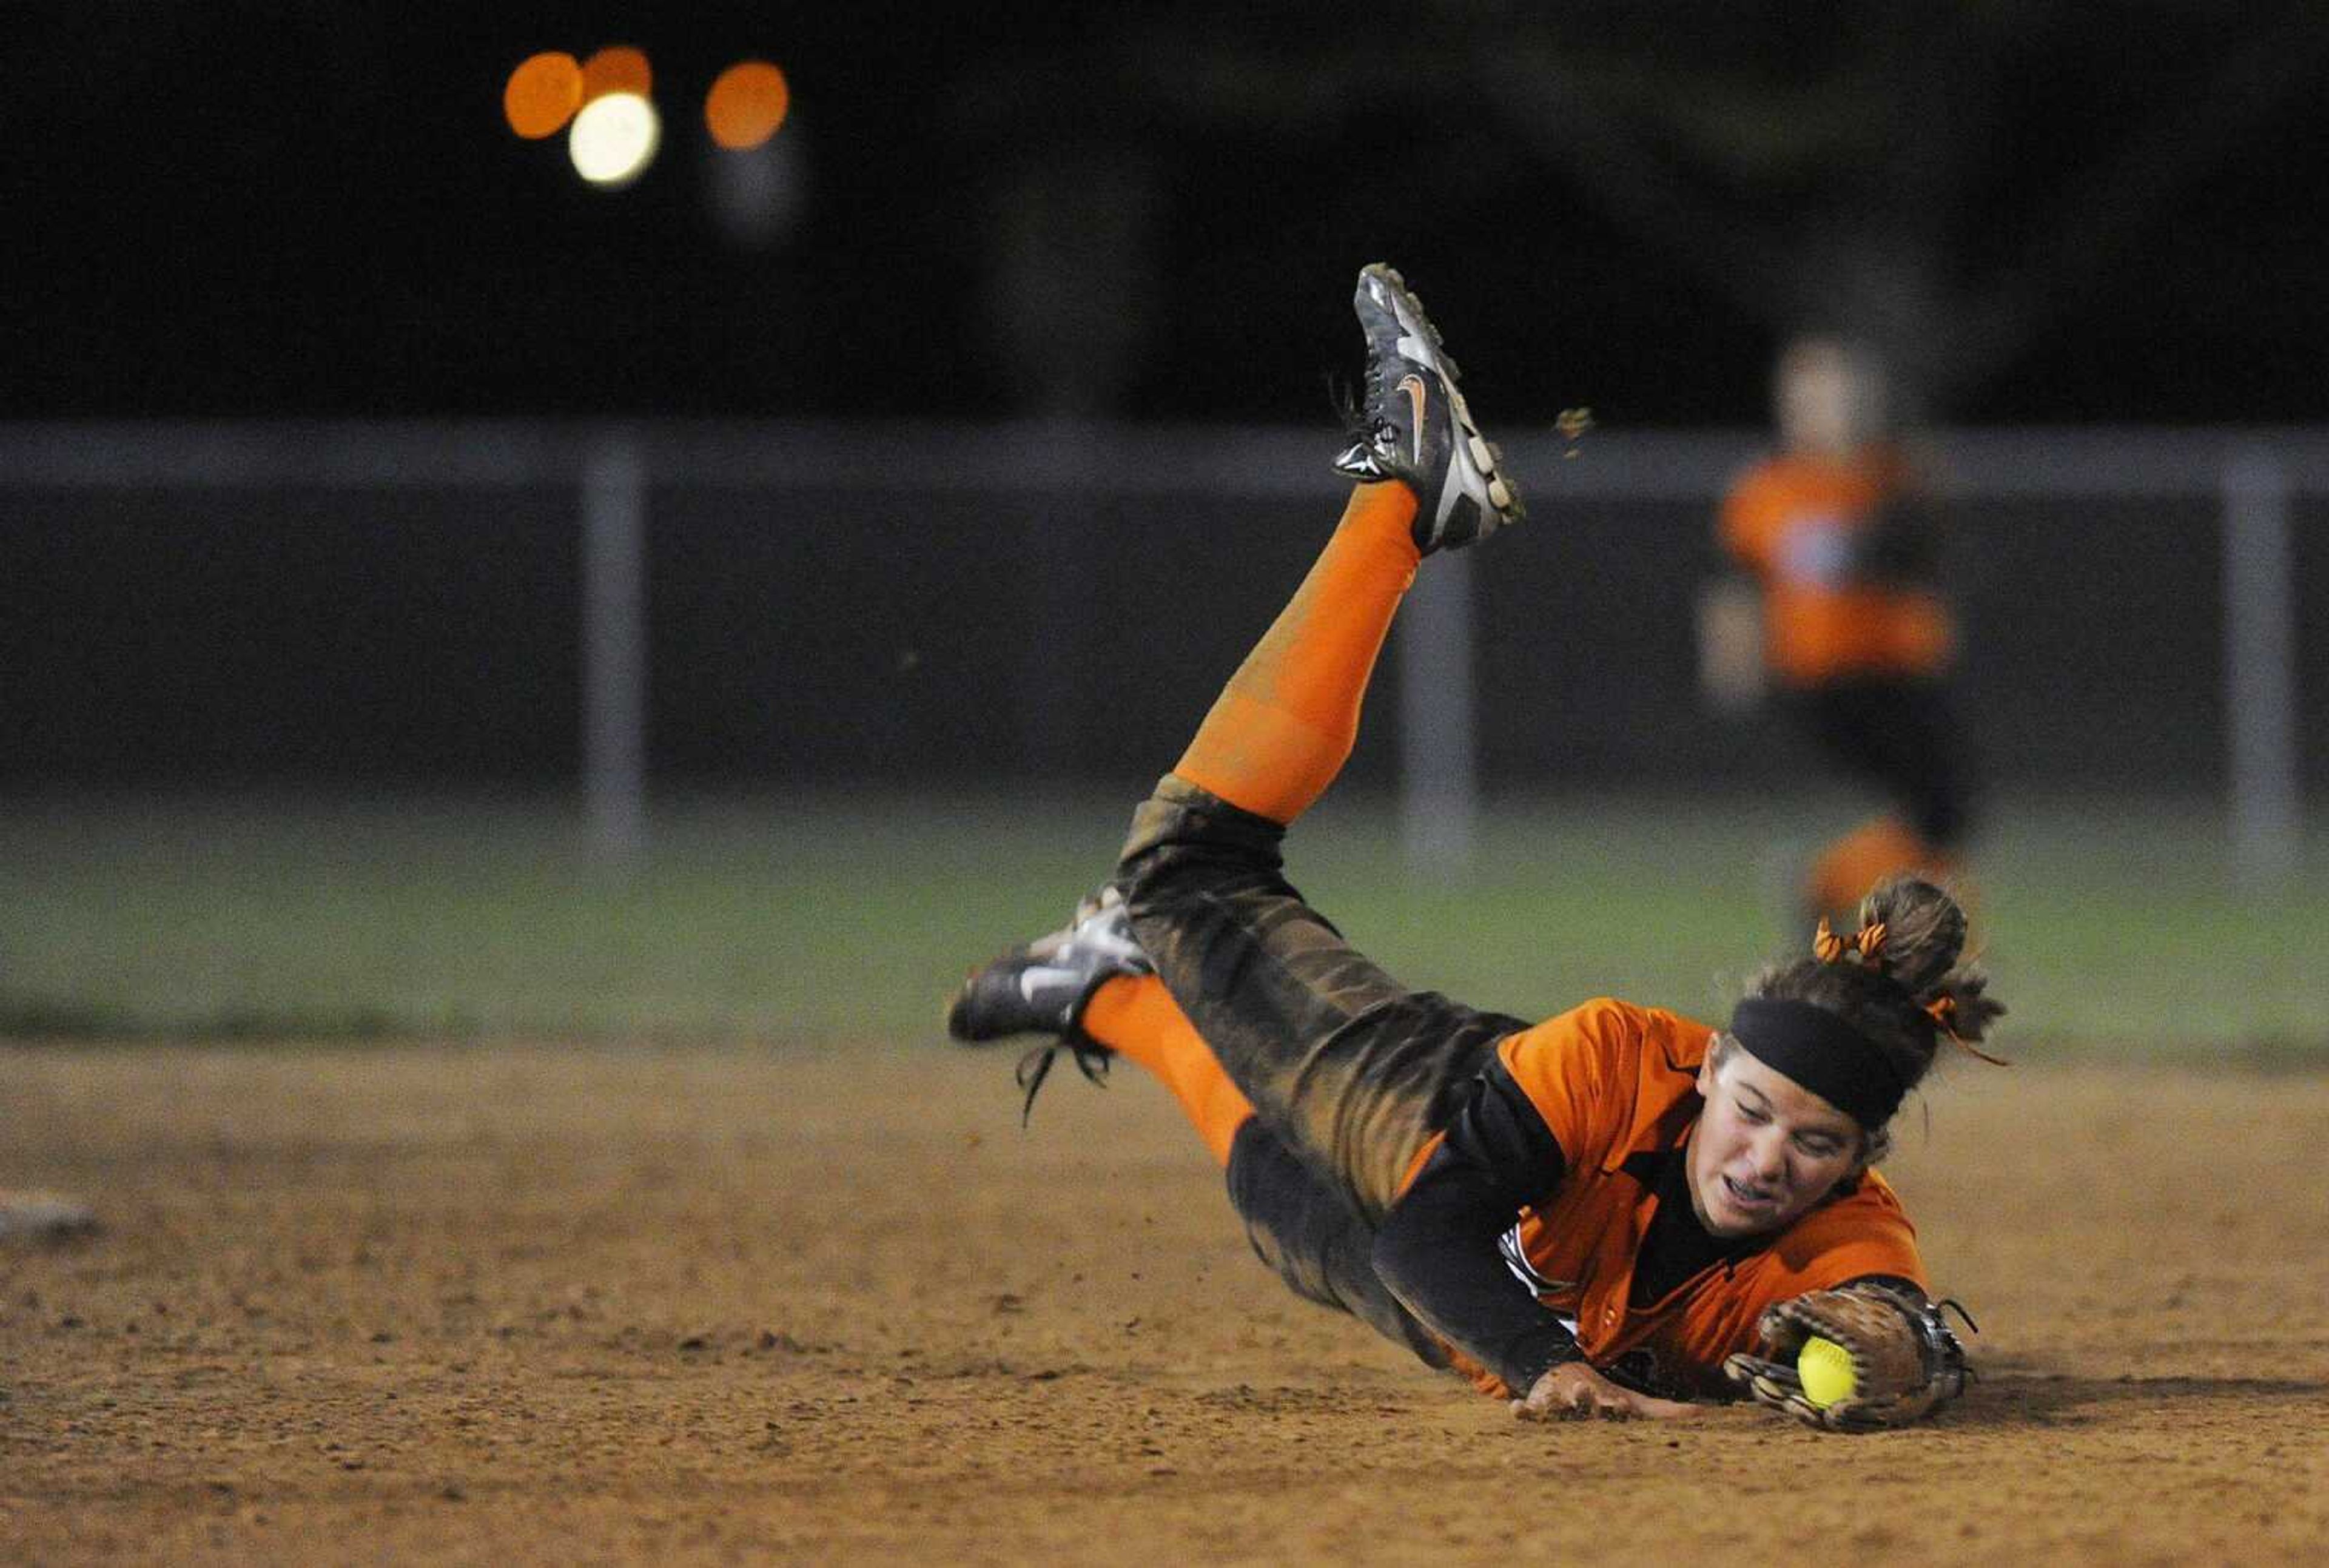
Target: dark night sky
238	209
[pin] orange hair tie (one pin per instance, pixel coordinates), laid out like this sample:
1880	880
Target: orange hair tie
1942	1010
1828	948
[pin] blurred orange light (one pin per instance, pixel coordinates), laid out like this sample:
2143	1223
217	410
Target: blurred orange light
746	105
616	68
543	94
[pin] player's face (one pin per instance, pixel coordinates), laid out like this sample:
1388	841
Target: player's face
1765	1149
1827	398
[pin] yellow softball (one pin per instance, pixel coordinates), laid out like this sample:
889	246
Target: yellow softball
1825	1368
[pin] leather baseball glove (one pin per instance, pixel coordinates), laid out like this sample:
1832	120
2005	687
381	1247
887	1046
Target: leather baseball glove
1905	1361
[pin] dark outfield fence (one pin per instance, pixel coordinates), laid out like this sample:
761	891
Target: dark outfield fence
196	606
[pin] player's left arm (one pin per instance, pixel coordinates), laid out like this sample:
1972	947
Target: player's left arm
1853	1275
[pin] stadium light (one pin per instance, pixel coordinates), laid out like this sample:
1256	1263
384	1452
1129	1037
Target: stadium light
614	139
746	104
543	94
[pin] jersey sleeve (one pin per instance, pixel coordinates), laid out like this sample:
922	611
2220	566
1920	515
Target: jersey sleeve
1579	1071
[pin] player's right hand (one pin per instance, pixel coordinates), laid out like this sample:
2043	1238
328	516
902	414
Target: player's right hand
1573	1391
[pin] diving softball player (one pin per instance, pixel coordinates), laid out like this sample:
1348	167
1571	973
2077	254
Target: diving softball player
1612	1212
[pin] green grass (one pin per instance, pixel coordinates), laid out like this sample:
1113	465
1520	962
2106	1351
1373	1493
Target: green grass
2112	925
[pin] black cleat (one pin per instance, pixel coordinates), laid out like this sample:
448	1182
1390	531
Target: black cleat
1042	987
1416	427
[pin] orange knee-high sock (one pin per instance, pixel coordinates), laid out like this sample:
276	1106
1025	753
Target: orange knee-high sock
1134	1016
1285	724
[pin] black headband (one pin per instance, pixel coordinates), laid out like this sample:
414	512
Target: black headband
1822	1054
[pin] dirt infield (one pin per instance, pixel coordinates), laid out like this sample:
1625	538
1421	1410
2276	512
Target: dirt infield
523	1305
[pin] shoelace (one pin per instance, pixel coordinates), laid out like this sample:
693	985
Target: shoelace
1949	1342
1958	1306
1359	426
1091	1061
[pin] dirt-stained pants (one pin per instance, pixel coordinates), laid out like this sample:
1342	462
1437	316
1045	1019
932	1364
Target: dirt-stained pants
1348	1070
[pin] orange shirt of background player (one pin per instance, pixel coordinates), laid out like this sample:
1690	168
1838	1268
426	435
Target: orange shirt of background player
1617	1083
1790	521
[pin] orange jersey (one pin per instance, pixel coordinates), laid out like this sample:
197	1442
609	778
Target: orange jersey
1616	1085
1796	524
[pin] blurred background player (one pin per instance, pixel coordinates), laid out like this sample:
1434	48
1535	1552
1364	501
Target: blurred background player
1839	624
1602	1214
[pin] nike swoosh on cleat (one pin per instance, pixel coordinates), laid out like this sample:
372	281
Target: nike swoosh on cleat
1412	385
